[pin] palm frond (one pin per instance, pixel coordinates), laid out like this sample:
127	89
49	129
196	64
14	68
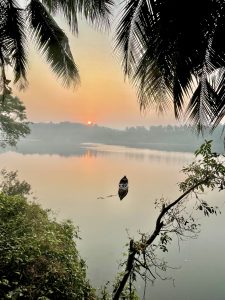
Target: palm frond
205	112
218	84
69	8
96	11
131	36
217	51
52	5
202	108
167	45
13	26
4	82
155	94
52	42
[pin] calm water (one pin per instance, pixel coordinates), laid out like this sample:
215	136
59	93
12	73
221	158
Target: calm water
72	185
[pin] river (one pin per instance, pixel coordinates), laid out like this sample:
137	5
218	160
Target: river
82	188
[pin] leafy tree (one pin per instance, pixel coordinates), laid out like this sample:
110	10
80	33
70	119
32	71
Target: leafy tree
38	256
207	172
173	50
13	120
35	20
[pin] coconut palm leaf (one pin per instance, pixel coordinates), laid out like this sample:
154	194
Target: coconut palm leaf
52	42
202	113
69	8
144	39
156	94
4	82
50	38
218	83
14	40
130	35
95	11
168	46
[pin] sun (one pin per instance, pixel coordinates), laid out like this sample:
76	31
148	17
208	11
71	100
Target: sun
89	123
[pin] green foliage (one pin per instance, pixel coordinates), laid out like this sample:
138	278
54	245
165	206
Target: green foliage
129	291
207	169
165	239
207	210
11	186
38	255
13	121
104	293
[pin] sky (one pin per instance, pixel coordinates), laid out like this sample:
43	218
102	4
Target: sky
103	96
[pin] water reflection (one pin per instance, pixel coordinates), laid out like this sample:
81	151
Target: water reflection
100	150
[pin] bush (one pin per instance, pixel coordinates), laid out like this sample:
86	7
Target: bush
38	256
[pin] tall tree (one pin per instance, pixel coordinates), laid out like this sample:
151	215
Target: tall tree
35	19
174	50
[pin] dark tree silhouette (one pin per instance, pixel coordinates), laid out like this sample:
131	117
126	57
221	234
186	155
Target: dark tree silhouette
173	50
35	20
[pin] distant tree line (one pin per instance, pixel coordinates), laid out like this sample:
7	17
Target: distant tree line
169	138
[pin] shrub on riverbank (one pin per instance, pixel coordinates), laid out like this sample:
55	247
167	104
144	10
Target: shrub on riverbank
38	256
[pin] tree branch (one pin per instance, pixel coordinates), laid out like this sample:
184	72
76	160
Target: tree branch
133	249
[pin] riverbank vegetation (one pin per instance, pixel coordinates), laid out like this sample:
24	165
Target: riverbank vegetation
39	257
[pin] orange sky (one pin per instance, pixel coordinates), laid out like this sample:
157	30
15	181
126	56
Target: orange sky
102	97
